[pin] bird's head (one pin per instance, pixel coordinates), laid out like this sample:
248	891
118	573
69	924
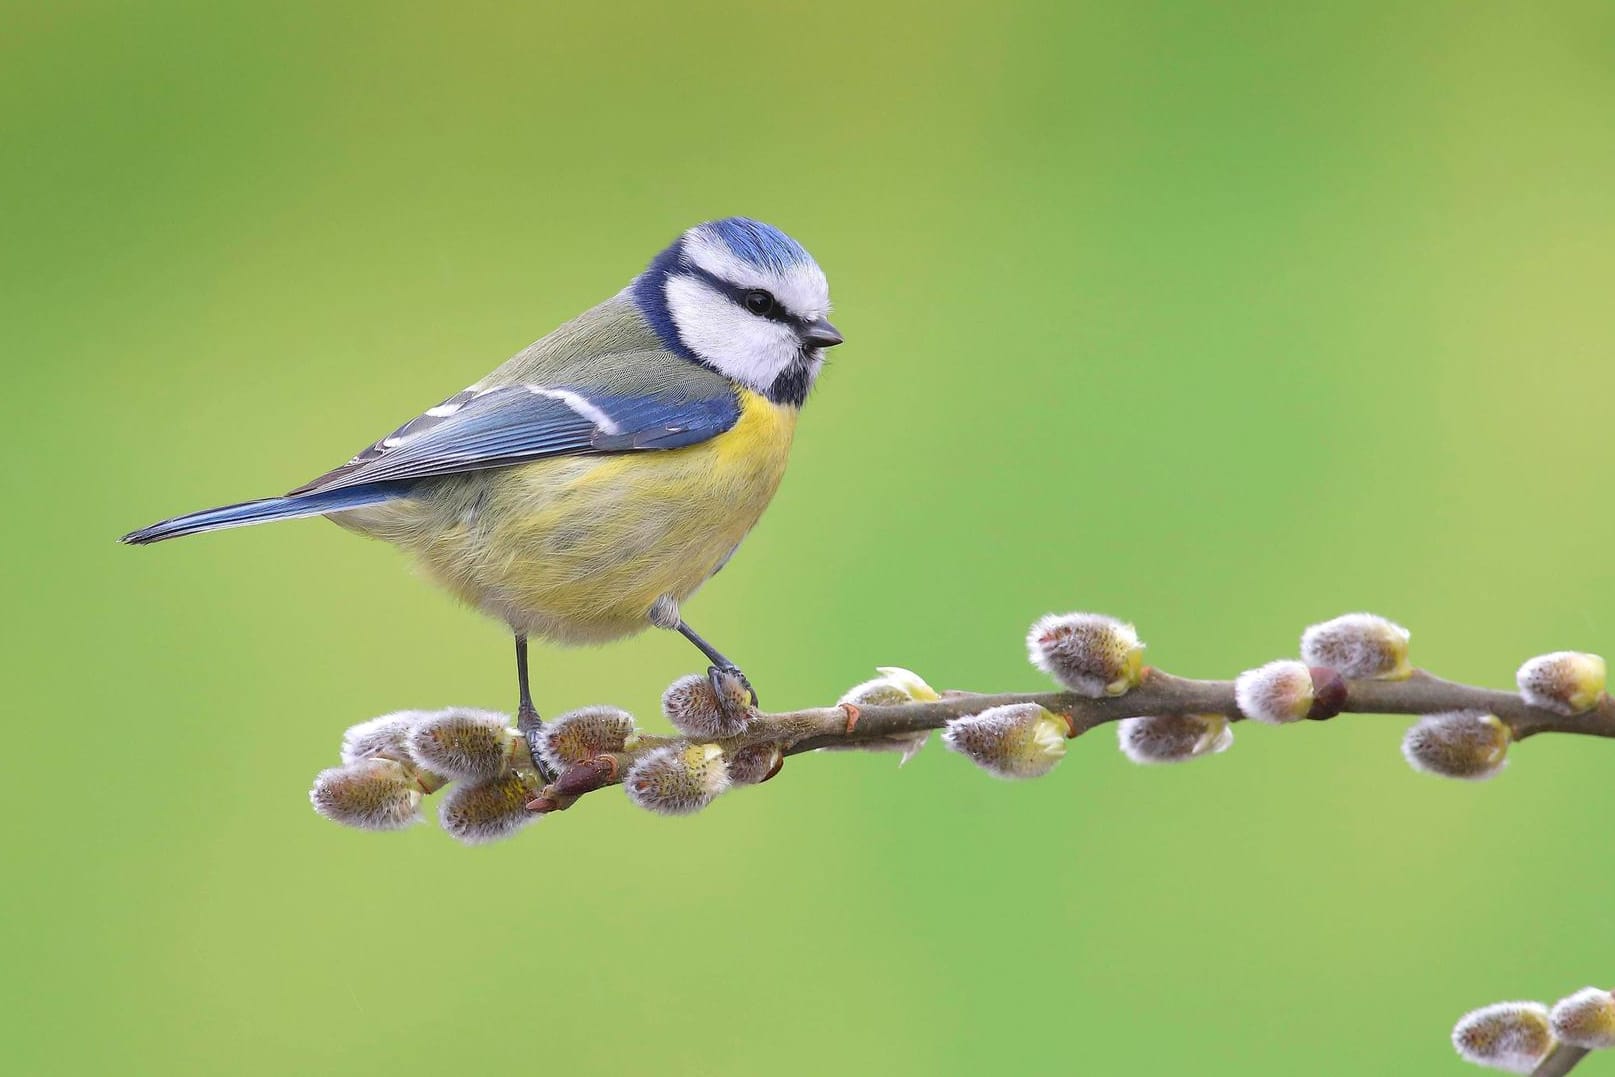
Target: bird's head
744	299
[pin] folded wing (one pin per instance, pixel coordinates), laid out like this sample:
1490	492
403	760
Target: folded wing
475	430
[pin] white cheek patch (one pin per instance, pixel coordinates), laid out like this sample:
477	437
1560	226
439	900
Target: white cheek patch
753	351
801	287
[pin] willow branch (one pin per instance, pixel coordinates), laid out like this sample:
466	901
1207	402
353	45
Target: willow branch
1158	693
1560	1061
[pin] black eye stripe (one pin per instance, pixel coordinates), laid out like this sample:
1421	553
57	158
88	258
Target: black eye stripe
737	295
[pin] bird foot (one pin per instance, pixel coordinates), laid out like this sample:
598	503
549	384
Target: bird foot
735	694
531	727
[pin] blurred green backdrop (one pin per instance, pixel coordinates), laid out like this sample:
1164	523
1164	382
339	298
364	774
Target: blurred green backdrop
1220	317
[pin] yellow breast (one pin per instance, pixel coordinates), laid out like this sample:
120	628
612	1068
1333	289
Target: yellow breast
578	548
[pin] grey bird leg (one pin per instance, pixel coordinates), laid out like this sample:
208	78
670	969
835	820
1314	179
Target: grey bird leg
528	723
720	664
664	613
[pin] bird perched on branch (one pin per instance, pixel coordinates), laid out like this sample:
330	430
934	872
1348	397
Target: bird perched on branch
586	488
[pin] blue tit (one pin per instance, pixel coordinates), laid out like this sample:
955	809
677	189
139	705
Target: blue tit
589	486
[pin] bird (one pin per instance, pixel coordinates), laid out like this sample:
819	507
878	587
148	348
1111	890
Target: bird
585	490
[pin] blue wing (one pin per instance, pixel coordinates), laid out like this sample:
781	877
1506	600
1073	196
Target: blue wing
475	430
499	427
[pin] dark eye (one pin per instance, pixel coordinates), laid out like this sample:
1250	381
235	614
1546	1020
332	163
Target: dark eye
760	302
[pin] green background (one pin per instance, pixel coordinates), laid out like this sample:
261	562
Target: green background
1223	318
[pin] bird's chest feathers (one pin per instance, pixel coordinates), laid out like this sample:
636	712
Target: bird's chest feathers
724	481
751	455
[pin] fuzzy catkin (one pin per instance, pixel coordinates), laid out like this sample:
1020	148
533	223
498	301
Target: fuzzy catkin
1088	653
1173	738
475	813
1020	740
583	734
1458	744
694	709
370	794
677	781
469	745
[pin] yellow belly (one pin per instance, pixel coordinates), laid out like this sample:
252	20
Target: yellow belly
577	549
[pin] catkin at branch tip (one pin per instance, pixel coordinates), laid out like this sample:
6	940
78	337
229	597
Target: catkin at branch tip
1585	1019
1564	682
370	794
1511	1036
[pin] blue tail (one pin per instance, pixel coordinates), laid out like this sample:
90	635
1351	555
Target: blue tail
260	512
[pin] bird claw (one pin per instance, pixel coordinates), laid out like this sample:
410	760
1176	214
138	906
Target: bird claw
531	727
735	693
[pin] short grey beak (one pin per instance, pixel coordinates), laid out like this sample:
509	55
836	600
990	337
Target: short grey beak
821	334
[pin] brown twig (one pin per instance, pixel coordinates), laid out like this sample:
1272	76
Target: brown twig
1158	694
1560	1061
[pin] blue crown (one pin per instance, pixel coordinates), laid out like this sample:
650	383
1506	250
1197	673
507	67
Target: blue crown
762	245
